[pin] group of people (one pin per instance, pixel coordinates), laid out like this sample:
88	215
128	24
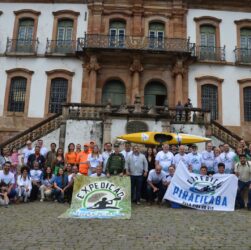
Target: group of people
39	173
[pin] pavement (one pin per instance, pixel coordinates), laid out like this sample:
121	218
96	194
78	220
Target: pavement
37	226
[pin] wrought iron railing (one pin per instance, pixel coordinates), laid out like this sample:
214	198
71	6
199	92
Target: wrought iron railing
210	53
243	55
224	134
22	46
33	133
60	46
135	42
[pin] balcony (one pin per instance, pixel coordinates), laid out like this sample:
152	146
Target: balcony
243	55
60	47
21	47
97	41
210	53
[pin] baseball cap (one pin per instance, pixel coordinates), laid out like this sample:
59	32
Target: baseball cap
116	145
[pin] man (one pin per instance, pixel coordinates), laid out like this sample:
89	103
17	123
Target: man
171	171
181	156
164	158
115	163
208	158
106	154
194	160
43	150
98	173
188	105
36	177
243	172
71	179
27	152
51	155
7	180
174	149
221	170
156	182
227	157
127	150
203	170
179	108
36	157
82	160
136	167
91	146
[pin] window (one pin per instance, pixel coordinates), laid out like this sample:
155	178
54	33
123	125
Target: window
64	36
25	35
155	94
114	91
207	42
58	94
247	103
209	99
17	94
117	34
245	42
156	35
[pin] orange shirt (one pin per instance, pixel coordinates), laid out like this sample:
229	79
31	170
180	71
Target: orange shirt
82	161
71	157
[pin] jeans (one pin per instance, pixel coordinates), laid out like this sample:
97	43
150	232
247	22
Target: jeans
136	184
160	193
59	196
239	199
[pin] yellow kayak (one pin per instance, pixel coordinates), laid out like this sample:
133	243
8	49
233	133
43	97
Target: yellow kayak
155	138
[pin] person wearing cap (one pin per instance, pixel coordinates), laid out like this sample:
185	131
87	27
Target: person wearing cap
115	163
242	170
194	160
164	158
27	151
82	160
106	154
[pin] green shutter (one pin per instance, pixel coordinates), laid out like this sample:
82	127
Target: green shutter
154	90
115	91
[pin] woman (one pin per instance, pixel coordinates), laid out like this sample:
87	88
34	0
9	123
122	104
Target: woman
150	157
217	153
94	159
60	186
59	161
71	155
24	185
47	184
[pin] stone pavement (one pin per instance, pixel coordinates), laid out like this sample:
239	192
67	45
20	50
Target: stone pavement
36	226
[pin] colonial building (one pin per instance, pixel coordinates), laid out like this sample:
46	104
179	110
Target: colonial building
106	52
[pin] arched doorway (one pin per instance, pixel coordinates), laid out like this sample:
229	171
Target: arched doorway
114	91
155	94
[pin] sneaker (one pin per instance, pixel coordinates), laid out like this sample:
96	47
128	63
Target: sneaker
41	200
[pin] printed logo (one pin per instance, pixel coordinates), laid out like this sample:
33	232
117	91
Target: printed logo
145	137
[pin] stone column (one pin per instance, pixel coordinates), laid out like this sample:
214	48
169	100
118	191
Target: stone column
136	68
178	72
107	130
92	69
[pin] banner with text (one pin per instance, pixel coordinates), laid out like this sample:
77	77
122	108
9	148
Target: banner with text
202	192
102	198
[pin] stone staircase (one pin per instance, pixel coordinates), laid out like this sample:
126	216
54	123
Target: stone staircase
103	113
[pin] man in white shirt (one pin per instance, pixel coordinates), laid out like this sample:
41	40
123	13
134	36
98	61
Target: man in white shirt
36	177
227	157
43	150
98	172
7	180
164	158
27	152
106	154
127	151
156	183
208	158
194	160
220	171
181	156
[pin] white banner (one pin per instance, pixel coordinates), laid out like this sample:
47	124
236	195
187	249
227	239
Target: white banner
202	192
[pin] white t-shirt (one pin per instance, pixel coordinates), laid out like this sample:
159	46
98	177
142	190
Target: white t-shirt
165	160
36	174
228	160
95	175
26	153
208	159
7	178
43	151
179	157
94	161
156	178
72	176
195	161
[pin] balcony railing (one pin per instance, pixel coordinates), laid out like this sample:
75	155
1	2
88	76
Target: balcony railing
94	41
21	46
243	55
210	53
60	46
